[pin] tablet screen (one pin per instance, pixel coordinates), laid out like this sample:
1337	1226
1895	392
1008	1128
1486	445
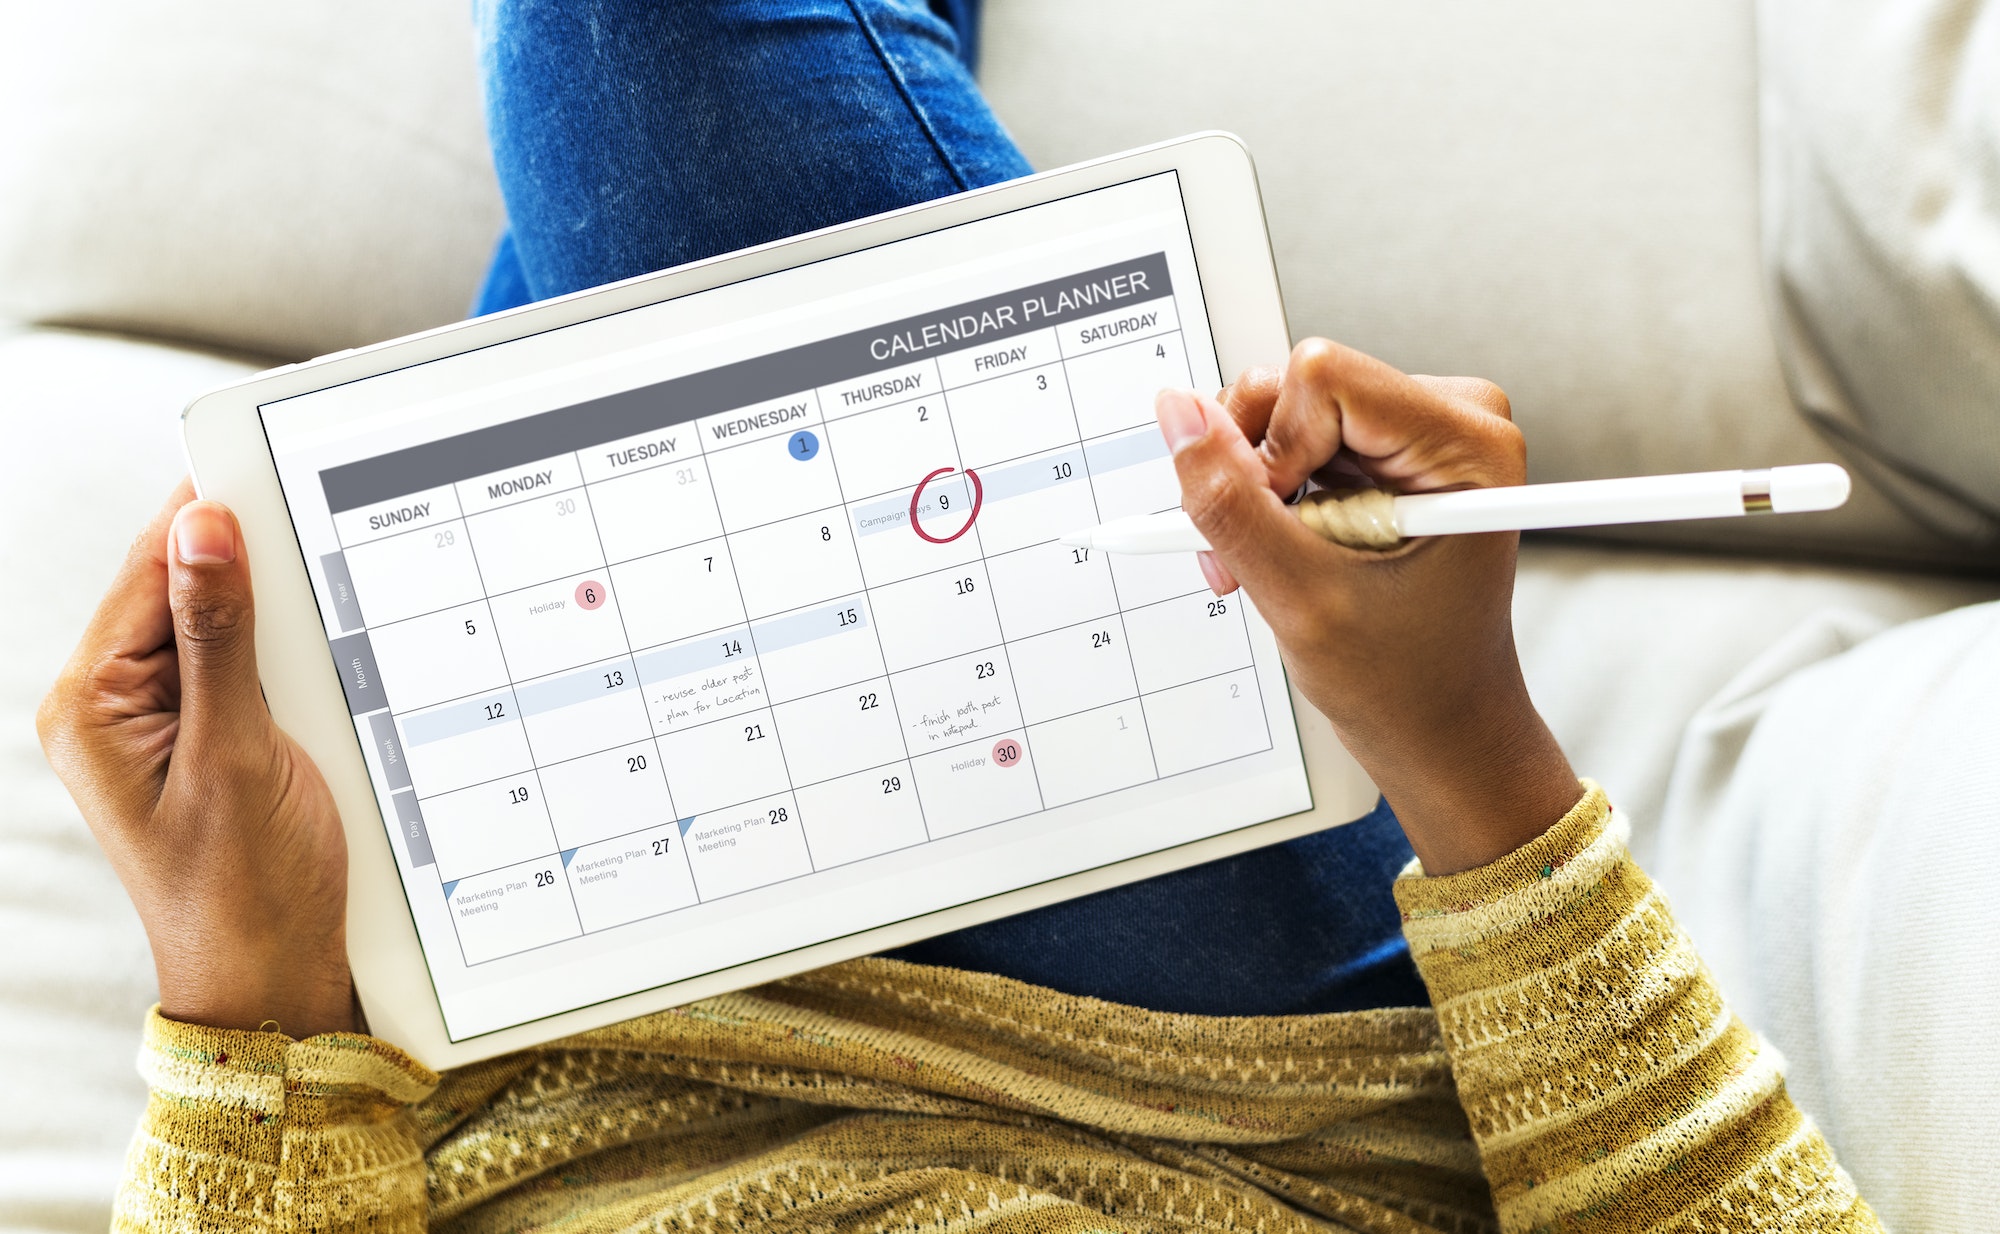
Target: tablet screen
704	631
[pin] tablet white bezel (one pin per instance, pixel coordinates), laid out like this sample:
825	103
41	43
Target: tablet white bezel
232	462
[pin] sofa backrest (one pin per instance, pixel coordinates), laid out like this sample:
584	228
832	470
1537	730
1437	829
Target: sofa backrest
1557	194
280	179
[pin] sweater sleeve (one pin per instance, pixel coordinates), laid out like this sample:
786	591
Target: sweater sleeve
1608	1085
257	1131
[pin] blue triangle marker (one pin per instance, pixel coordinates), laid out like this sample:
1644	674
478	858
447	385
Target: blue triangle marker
567	854
687	823
448	886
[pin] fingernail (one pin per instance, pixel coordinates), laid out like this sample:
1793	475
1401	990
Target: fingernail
203	536
1180	418
1211	571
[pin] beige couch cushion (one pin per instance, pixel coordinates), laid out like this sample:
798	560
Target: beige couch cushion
1560	195
287	179
1830	846
1882	234
1623	646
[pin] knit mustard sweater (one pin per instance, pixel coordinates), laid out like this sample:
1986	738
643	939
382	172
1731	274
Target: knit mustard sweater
1579	1073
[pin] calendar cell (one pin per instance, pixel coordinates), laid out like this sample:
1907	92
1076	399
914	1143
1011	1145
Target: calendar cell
967	786
1207	721
747	846
417	572
488	826
724	762
969	698
828	735
534	541
819	648
602	796
631	878
584	710
889	449
678	594
871	812
1092	753
1072	669
1008	417
445	655
769	479
1114	387
464	742
1036	499
1183	640
1150	578
654	510
701	680
1050	586
549	627
890	550
935	616
504	911
795	563
1132	473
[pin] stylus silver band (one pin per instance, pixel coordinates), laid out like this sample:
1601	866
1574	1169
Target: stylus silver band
1757	491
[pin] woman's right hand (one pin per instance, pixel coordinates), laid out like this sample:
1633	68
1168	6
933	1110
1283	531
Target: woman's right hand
1410	652
220	827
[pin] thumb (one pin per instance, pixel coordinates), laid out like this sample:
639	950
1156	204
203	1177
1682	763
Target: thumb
209	591
1226	491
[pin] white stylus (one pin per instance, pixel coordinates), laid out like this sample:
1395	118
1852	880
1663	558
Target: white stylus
1529	507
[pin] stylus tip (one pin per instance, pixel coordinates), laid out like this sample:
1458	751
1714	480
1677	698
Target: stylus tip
1078	539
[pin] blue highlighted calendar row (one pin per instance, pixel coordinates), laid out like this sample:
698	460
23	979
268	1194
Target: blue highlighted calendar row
718	656
1039	474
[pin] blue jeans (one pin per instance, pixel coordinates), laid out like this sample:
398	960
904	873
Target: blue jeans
634	136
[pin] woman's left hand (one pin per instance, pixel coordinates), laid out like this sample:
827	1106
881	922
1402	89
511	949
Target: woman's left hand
220	827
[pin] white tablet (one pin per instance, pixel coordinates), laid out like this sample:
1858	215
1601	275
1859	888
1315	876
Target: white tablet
712	626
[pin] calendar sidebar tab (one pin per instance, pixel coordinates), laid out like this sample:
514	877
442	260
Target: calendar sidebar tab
767	637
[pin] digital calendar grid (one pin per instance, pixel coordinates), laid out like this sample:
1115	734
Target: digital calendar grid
655	670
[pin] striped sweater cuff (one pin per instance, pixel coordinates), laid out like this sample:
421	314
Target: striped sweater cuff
252	1130
1607	1083
253	1071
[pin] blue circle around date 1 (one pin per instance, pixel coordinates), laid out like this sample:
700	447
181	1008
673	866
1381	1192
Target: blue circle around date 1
803	445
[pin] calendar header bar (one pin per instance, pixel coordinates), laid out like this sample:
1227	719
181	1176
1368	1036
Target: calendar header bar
744	383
